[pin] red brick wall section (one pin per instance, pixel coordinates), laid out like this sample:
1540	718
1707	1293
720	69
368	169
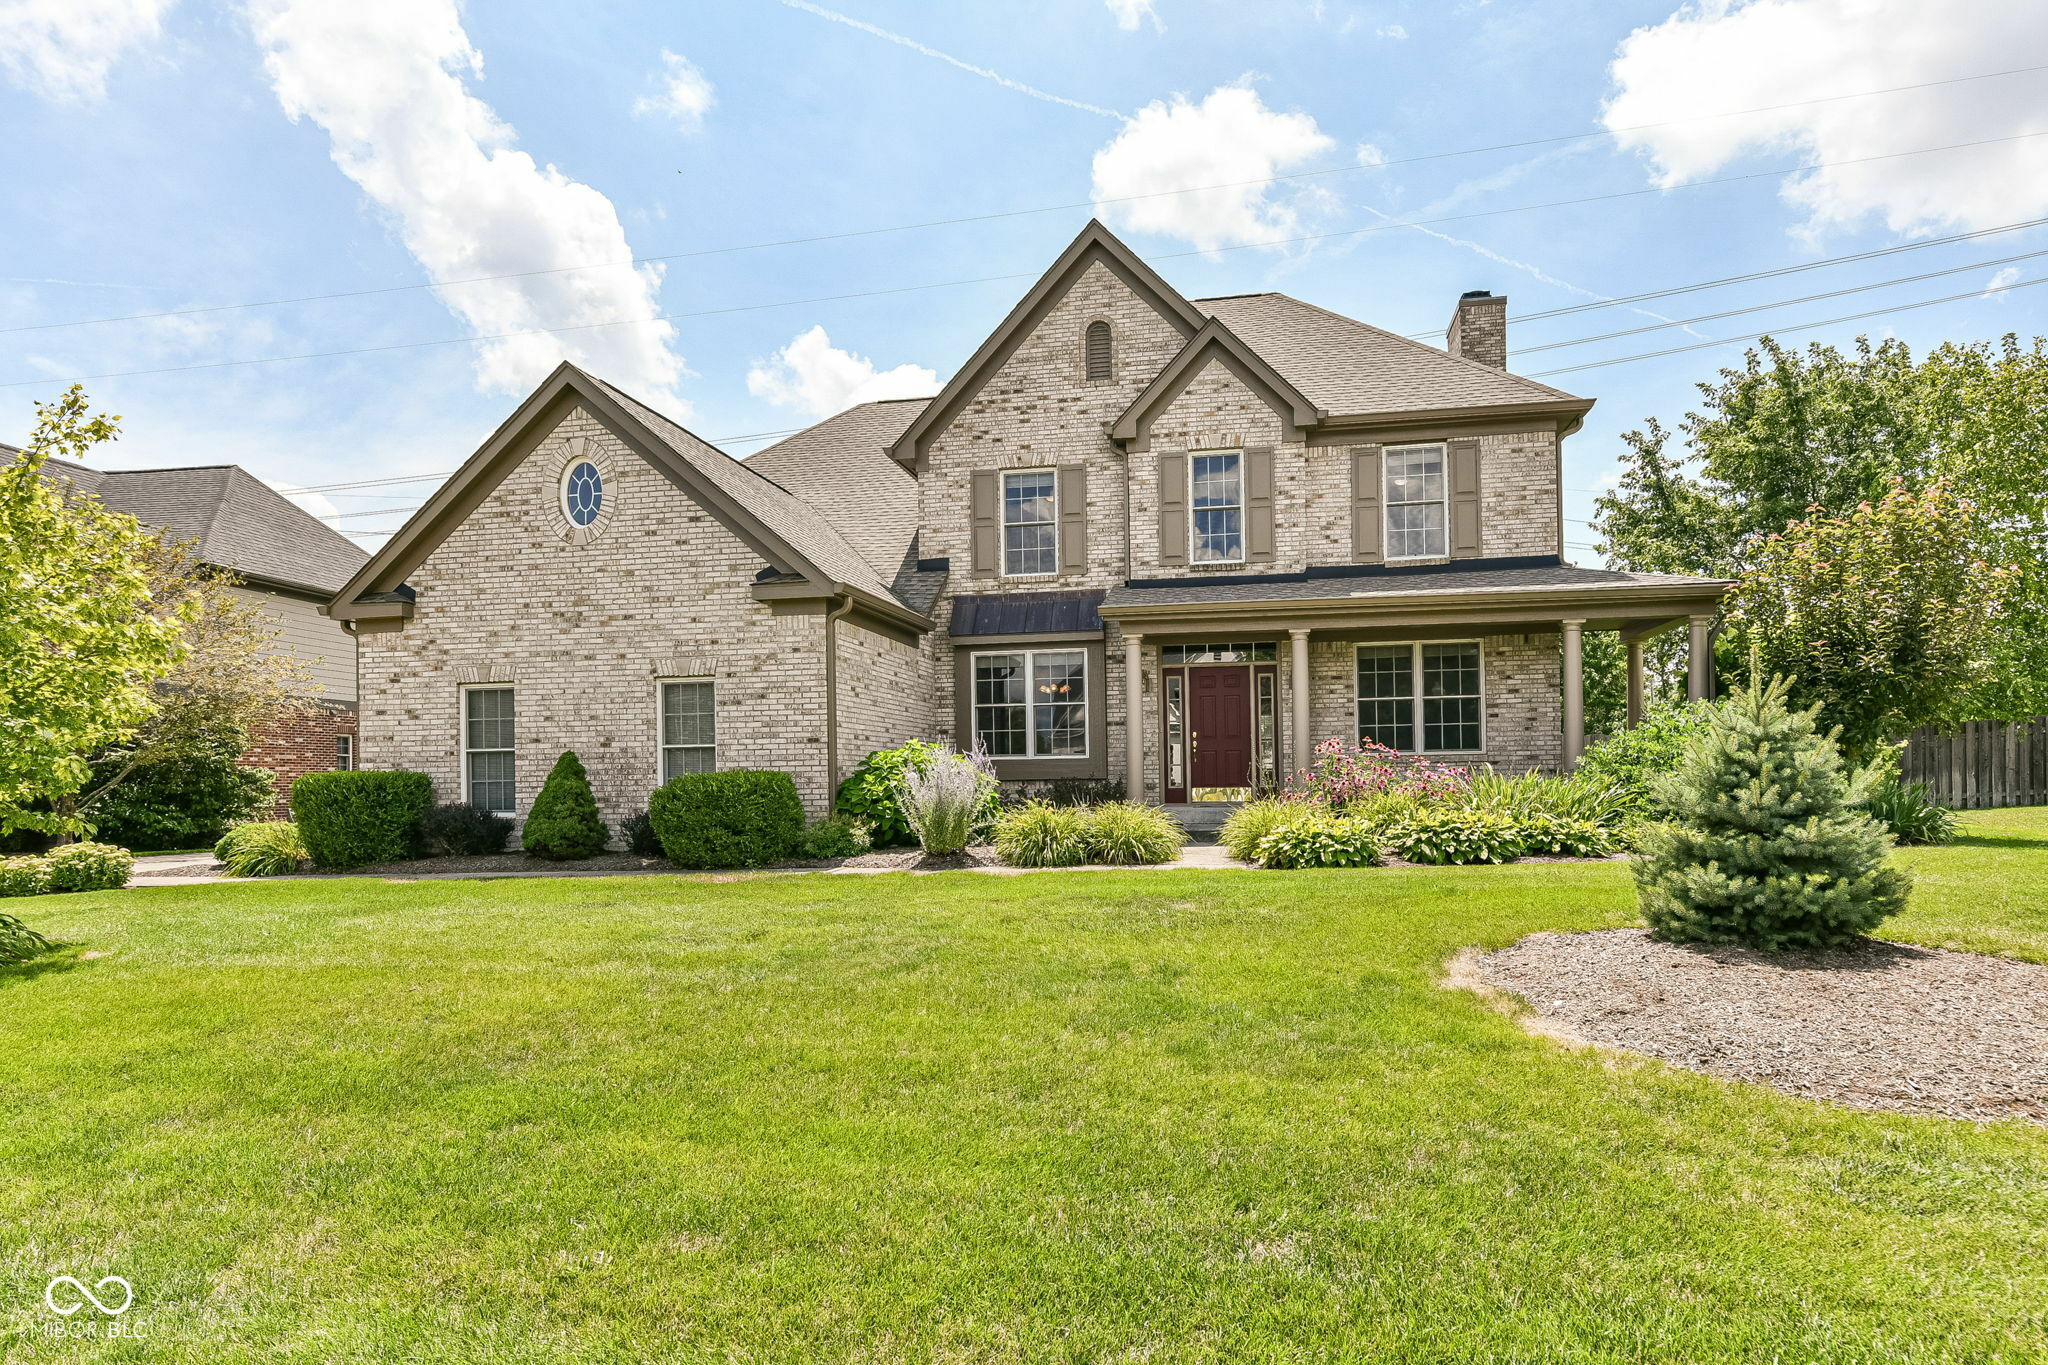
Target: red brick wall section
299	743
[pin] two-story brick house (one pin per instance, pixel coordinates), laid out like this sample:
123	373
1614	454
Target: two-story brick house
1136	536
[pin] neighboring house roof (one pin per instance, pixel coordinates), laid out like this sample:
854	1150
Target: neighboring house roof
234	519
842	467
1348	368
1454	579
801	546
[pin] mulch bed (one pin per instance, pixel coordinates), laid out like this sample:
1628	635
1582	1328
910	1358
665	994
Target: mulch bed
1876	1026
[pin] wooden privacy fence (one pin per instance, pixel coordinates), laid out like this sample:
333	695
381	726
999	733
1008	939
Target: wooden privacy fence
1983	764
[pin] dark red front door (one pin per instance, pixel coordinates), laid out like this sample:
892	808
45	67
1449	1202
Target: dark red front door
1220	726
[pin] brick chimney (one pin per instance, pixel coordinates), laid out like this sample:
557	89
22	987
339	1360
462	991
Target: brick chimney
1479	329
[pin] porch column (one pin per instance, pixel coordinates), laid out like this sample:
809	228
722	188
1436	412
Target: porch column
1134	717
1303	745
1635	683
1699	672
1574	692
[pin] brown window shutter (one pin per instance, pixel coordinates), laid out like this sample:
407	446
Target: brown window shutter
1258	504
987	533
1465	499
1366	538
1073	514
1173	507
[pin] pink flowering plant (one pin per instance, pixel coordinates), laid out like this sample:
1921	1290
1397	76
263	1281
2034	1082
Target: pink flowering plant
1343	774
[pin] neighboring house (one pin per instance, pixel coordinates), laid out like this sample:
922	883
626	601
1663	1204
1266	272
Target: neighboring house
287	561
1137	536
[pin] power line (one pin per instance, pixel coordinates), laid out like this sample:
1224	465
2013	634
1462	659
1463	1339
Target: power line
1381	164
988	279
1753	276
293	490
1795	327
1784	303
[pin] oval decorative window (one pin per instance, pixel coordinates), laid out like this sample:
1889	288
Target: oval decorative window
582	493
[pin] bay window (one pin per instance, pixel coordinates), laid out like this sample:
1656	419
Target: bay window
1032	703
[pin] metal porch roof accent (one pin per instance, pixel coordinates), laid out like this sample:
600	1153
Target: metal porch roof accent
1026	613
1485	576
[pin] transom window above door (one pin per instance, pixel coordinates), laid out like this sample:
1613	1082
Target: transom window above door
1031	543
1216	500
1418	502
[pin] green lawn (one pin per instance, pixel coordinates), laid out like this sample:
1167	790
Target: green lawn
1072	1117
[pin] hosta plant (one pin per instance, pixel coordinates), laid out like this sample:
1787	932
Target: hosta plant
1449	834
1318	839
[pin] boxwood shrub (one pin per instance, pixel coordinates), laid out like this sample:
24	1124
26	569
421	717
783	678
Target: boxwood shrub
745	817
349	819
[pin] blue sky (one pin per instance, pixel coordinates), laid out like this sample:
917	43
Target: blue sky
171	156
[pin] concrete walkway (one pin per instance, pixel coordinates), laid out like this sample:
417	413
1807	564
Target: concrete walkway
199	869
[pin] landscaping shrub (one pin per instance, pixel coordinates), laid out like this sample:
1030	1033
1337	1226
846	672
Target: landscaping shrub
88	867
1042	834
1765	845
1559	836
1454	834
261	848
1317	838
1250	823
18	942
946	797
872	792
179	803
1342	775
836	836
1073	791
743	817
1909	812
23	877
563	823
350	819
1636	760
463	830
1590	798
638	832
1125	834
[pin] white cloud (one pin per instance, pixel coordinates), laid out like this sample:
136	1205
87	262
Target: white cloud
1369	155
1230	137
685	93
817	378
62	49
1394	31
1721	55
386	80
1998	285
1130	13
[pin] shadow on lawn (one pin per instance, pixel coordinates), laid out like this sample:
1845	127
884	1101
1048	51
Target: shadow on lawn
62	957
1997	841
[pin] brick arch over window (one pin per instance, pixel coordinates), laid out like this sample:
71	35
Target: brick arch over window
1096	351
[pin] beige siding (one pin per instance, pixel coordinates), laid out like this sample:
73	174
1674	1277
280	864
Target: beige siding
584	631
320	645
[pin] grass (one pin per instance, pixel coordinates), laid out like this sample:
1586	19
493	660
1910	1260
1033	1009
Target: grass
1165	1116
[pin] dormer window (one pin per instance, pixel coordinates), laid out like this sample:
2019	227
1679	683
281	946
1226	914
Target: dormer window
1095	352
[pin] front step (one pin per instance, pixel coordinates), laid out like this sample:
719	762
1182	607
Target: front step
1201	818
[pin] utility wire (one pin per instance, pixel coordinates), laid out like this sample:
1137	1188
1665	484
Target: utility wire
989	279
1026	212
291	490
1785	303
1794	327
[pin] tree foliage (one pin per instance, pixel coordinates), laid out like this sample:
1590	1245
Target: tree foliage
84	636
1793	435
1766	846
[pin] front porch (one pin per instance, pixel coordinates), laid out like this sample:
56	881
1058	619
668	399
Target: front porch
1232	681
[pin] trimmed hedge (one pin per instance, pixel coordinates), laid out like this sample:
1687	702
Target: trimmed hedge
350	819
563	824
464	830
745	817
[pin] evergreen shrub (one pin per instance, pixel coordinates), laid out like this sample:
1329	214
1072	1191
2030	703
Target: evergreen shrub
563	824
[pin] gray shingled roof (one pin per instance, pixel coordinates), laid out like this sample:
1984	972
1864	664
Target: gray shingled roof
1348	368
236	520
1456	581
842	467
803	526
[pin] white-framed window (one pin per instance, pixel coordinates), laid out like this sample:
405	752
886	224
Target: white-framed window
488	753
1216	507
1032	703
1418	502
344	753
1446	676
1031	533
689	726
